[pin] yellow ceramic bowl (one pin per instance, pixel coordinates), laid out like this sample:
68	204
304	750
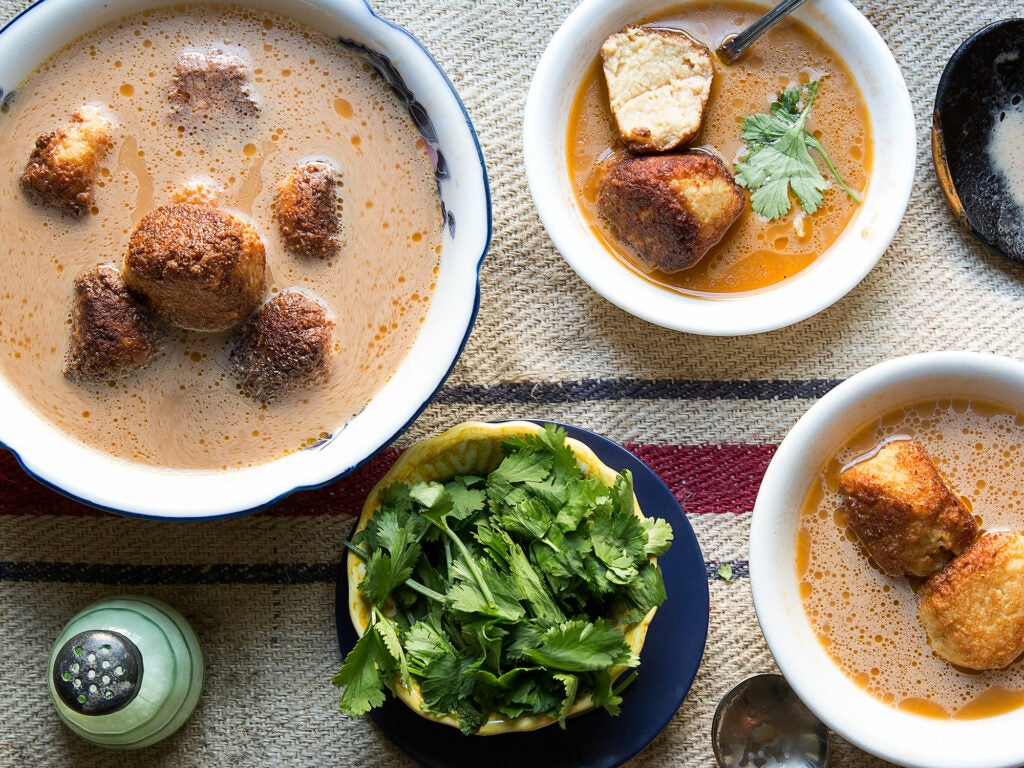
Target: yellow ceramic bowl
472	448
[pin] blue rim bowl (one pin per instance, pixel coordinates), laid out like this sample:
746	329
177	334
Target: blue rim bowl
421	85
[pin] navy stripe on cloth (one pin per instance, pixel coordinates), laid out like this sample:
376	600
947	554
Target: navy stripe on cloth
589	390
264	573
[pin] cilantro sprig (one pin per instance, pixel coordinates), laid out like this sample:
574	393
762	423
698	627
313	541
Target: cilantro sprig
778	158
506	593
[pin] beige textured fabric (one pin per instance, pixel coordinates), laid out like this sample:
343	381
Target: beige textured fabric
271	647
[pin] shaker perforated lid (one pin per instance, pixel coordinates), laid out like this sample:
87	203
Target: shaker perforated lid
97	672
126	672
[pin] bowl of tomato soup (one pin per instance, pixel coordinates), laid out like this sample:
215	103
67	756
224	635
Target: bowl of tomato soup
846	635
764	273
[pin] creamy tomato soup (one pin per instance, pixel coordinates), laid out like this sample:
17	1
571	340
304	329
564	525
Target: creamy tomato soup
316	100
868	621
755	253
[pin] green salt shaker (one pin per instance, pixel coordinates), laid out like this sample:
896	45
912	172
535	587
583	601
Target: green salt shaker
126	672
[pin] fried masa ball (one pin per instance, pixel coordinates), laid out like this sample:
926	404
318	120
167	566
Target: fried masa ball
198	190
200	267
212	83
112	332
62	168
306	205
670	208
904	513
658	83
973	609
284	347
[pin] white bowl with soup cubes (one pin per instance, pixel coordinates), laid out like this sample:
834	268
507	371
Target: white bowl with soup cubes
242	246
886	551
711	198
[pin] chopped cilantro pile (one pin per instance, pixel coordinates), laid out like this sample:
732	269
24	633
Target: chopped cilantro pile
506	593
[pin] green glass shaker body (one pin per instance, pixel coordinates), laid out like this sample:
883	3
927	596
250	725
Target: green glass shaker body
126	672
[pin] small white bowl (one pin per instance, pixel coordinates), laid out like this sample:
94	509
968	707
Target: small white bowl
443	124
901	737
574	48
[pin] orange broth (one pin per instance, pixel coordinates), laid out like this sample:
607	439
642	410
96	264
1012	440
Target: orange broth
866	620
755	253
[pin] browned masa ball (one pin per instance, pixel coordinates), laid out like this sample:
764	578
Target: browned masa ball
973	609
306	205
212	82
670	208
62	168
112	332
902	510
284	347
200	267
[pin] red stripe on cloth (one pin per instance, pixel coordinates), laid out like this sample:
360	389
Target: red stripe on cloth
709	478
705	479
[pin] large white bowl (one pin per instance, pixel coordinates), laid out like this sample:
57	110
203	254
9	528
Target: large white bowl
442	121
561	69
901	737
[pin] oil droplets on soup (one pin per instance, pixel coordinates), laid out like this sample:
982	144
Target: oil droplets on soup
316	100
755	253
868	621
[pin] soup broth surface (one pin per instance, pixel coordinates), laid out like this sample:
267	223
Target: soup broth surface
867	620
754	253
316	100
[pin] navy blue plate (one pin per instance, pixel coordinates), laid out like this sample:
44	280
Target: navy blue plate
668	662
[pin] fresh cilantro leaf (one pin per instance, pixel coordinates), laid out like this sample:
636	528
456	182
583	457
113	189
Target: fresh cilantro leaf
388	632
659	535
604	695
466	500
527	634
565	565
478	588
395	537
565	467
644	593
383	574
622	495
363	675
534	691
434	498
519	467
396	496
572	687
777	157
444	682
527	516
619	542
483	639
581	646
529	584
581	499
470	716
426	642
492	542
724	572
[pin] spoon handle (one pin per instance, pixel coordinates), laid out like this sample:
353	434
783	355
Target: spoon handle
734	47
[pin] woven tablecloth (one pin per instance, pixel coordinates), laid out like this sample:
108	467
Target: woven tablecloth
704	413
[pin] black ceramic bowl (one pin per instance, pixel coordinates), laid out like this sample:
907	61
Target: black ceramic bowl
982	84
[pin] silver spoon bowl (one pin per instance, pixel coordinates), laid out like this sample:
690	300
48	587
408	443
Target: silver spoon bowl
735	45
762	723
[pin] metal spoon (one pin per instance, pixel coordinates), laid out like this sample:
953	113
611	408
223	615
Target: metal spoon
761	722
735	45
